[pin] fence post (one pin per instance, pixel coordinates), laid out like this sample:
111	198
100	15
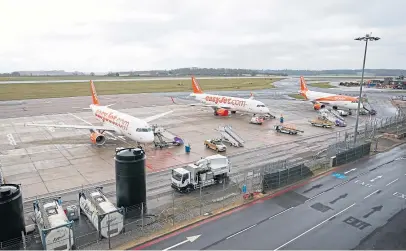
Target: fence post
24	243
173	208
288	176
224	189
200	198
279	178
142	216
108	229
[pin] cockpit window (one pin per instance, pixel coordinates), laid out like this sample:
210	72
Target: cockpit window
144	129
260	105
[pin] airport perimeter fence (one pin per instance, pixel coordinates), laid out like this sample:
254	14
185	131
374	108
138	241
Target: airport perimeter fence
140	222
181	210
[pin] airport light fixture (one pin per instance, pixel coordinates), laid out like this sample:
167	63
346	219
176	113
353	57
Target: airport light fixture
367	38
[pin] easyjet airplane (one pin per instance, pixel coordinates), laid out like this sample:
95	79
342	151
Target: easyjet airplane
321	99
114	122
223	104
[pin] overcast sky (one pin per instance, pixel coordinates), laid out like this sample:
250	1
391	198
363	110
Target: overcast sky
117	35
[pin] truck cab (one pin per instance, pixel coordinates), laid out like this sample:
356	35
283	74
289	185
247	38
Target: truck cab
204	172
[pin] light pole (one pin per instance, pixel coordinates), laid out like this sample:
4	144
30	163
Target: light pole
366	39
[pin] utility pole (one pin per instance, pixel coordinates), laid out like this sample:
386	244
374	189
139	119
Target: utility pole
366	39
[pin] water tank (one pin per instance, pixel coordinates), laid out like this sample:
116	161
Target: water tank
11	212
130	178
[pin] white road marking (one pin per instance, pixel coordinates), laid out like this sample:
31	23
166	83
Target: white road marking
314	196
392	182
188	239
321	223
284	211
11	139
231	236
371	194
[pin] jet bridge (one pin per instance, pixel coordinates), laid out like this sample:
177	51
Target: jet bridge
164	138
230	136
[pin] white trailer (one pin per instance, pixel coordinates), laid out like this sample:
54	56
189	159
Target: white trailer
205	172
54	227
105	217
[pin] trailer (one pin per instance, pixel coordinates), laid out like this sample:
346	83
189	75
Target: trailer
288	129
204	172
105	217
53	225
321	123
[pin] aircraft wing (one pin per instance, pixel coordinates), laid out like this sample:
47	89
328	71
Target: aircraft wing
149	119
91	127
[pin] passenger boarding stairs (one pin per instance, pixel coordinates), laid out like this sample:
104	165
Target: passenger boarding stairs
330	115
164	138
230	136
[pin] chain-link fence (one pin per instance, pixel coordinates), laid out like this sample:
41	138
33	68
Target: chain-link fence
140	222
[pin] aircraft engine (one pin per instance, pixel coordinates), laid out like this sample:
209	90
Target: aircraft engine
222	112
318	106
97	138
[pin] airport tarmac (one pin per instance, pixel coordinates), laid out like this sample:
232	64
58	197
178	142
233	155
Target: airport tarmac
50	160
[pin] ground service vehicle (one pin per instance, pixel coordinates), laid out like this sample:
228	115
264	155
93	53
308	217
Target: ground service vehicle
205	172
256	120
321	123
287	129
215	144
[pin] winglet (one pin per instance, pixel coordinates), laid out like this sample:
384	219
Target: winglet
196	87
95	99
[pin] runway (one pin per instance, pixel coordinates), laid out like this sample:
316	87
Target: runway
331	213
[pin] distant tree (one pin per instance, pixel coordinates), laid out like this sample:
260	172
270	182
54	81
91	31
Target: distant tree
15	74
92	74
117	74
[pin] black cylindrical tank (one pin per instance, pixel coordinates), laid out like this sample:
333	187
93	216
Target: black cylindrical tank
131	189
11	212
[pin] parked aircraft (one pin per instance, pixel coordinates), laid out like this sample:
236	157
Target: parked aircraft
114	123
321	100
222	105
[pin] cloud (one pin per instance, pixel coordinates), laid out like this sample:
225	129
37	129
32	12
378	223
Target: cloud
138	35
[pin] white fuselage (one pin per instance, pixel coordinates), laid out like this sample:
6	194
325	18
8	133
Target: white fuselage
330	99
124	124
232	103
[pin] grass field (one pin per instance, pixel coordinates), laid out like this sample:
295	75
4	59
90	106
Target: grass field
58	90
296	96
50	78
322	85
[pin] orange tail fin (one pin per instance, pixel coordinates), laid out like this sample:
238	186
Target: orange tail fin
95	99
303	86
196	87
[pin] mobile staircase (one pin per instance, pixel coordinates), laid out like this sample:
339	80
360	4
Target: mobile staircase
332	116
164	138
228	135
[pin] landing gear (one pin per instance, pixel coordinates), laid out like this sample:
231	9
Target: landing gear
349	112
233	112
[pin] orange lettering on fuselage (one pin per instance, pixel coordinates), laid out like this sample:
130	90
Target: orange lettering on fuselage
113	119
225	100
